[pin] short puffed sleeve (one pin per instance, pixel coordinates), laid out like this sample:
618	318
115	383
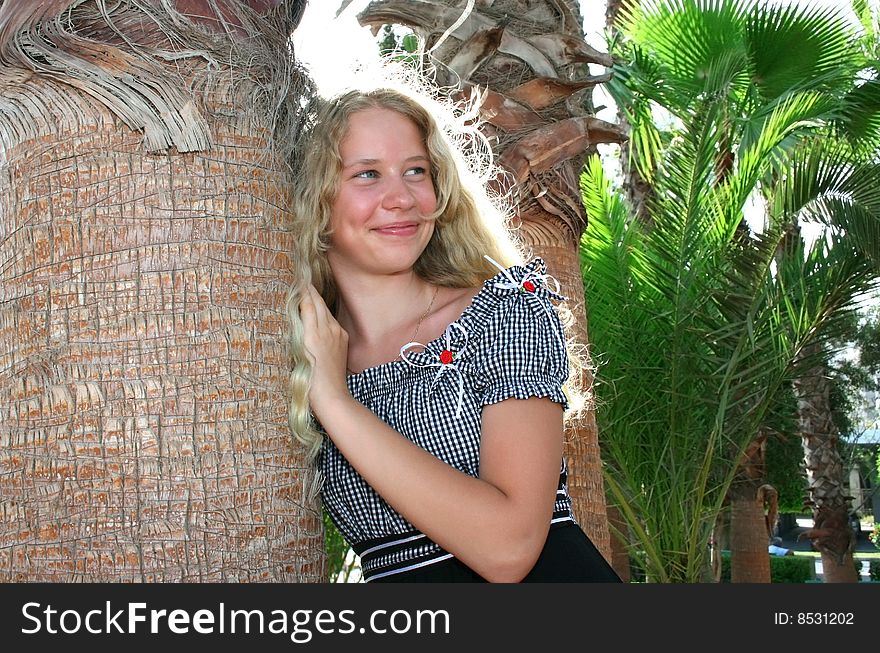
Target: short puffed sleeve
523	353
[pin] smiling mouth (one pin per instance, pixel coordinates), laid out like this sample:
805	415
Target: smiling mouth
400	229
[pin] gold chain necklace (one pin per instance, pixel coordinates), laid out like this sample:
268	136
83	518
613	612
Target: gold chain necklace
425	314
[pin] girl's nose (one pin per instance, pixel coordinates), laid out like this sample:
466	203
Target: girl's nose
398	195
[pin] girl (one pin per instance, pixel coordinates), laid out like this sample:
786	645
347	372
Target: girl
440	461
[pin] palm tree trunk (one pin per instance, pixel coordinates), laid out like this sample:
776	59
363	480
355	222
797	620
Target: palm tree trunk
749	557
531	59
831	533
144	264
749	531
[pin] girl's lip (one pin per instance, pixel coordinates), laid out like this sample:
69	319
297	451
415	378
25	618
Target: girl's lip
398	229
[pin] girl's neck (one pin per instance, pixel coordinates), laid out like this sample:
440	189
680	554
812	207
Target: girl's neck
382	315
374	311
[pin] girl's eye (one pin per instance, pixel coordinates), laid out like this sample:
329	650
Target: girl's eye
417	170
367	174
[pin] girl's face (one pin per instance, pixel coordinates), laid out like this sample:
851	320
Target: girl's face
381	219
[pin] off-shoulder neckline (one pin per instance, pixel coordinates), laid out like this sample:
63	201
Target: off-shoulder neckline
477	302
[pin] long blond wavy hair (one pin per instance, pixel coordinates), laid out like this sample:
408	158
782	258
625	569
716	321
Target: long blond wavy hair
469	222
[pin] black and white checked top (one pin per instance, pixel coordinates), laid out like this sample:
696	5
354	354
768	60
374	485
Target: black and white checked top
509	343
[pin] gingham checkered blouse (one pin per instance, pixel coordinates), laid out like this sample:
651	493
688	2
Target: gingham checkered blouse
508	343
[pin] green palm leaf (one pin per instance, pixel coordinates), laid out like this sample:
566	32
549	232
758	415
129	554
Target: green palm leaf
696	323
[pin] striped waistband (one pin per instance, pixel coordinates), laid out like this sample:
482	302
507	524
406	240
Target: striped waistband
397	554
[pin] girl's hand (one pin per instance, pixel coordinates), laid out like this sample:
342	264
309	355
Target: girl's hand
326	345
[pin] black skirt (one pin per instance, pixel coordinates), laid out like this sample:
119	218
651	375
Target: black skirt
568	556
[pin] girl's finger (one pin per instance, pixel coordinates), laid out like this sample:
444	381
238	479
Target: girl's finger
307	310
321	312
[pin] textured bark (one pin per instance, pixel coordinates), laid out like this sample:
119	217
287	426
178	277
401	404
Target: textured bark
143	363
749	526
831	534
531	57
749	556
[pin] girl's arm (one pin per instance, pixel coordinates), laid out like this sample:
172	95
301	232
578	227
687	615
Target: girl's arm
496	524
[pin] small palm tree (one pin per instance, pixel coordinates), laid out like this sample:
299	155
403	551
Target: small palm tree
742	120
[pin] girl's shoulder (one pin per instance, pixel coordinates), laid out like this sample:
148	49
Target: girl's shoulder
518	300
509	285
530	277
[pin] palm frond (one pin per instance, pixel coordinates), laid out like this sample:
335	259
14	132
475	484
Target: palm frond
858	120
825	184
821	37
